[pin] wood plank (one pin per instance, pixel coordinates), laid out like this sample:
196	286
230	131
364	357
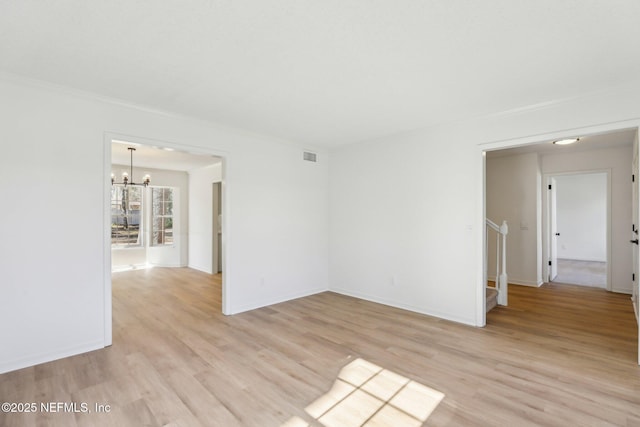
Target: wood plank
557	355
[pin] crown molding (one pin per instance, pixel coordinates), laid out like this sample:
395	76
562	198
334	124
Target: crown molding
96	97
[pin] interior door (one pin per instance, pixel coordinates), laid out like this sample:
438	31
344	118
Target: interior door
553	239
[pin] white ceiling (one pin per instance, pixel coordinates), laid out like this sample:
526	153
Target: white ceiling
325	72
589	142
146	156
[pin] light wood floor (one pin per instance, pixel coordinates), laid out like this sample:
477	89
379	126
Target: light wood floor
558	355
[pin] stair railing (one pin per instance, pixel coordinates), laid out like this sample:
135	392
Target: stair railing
501	258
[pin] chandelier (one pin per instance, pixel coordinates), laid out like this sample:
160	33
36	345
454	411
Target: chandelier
125	175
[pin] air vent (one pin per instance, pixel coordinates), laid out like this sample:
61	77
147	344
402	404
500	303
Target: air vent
310	157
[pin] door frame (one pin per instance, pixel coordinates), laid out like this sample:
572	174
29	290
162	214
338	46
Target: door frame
550	229
546	223
106	263
481	213
635	194
216	209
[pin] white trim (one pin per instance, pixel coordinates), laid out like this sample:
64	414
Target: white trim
539	138
395	304
481	236
517	111
201	269
526	283
106	248
555	102
93	96
276	300
519	282
14	365
176	218
483	147
227	289
168	265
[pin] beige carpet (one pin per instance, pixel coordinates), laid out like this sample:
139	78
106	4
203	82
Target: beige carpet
585	273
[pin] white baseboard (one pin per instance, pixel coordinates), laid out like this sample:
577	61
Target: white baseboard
430	311
202	269
169	265
520	282
25	362
526	283
276	300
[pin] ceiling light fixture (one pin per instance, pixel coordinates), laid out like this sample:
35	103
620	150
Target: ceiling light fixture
566	141
125	175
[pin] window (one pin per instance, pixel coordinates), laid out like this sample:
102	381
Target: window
162	220
126	210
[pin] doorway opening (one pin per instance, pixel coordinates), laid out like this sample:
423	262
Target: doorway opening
619	156
578	231
515	186
159	212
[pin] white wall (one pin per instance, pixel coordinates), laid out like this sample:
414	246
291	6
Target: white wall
175	255
201	216
619	161
581	212
405	221
512	194
52	252
406	237
406	211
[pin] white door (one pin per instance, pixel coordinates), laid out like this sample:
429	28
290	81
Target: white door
553	238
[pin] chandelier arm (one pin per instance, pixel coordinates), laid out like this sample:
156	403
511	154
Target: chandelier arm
145	181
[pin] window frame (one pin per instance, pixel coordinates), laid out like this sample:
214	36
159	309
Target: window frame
127	216
154	216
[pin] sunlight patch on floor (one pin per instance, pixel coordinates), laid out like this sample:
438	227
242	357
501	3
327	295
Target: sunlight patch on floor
130	267
367	395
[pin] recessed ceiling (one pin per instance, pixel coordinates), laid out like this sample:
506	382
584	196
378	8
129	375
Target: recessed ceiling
146	156
325	72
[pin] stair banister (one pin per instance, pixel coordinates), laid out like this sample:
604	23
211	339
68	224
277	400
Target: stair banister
502	294
501	258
